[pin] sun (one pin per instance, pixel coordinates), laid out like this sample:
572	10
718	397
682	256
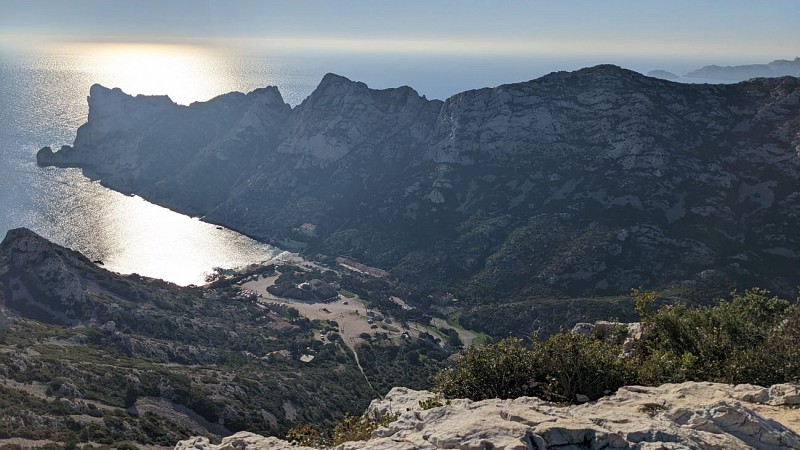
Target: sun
185	73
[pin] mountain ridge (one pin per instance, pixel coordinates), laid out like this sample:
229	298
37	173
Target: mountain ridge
572	185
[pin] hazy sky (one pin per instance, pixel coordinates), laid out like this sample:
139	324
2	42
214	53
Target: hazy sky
751	30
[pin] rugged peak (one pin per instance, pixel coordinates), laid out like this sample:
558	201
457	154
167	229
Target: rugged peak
43	277
607	69
24	240
18	234
99	89
25	246
336	85
332	78
267	95
100	92
111	106
602	72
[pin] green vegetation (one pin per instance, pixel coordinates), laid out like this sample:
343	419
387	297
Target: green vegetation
749	339
501	370
137	346
432	402
411	363
351	428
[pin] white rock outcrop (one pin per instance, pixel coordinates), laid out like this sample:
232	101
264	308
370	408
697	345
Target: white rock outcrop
239	441
673	416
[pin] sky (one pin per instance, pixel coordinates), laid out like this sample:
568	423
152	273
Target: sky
715	30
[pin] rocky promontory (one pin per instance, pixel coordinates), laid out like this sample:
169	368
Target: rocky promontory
690	415
545	194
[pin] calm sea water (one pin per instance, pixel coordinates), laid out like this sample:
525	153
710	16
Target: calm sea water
43	102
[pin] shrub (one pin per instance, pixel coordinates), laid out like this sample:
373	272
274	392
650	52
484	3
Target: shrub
642	301
309	436
430	403
351	428
737	341
502	370
574	364
751	338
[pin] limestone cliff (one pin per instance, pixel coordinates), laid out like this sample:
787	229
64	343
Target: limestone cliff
674	416
574	185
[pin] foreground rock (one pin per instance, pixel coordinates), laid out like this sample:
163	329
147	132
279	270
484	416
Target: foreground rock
673	416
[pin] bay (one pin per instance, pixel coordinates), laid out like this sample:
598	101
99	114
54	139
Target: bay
43	102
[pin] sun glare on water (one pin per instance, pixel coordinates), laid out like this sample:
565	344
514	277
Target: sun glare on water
185	73
129	234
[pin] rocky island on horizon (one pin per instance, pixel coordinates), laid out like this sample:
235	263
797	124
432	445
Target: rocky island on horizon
777	68
734	74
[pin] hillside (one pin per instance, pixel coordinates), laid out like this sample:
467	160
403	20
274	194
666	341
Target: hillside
87	355
512	208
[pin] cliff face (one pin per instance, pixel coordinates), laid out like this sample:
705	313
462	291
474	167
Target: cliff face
677	416
574	184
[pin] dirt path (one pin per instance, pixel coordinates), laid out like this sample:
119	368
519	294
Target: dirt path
467	337
349	313
353	318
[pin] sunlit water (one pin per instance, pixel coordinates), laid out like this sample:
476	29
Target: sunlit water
43	102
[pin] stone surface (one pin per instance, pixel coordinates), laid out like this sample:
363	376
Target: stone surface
242	440
672	416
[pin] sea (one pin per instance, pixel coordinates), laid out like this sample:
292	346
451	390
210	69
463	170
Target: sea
43	94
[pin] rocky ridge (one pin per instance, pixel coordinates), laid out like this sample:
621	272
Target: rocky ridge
571	186
675	416
130	358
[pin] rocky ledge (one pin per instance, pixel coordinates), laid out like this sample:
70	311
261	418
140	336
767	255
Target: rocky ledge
673	416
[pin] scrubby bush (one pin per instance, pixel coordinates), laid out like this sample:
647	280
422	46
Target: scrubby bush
351	428
752	338
502	370
575	364
309	436
744	340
